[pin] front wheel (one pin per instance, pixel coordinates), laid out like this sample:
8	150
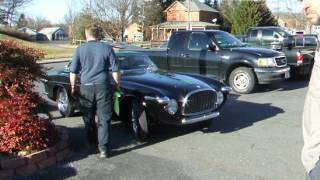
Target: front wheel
63	103
242	80
139	121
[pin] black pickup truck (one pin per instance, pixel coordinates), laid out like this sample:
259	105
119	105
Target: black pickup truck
219	55
299	49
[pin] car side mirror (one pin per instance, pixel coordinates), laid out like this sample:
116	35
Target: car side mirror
276	36
212	47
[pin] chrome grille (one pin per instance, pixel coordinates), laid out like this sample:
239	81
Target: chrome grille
281	61
198	102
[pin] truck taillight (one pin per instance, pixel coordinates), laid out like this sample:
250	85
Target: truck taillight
299	58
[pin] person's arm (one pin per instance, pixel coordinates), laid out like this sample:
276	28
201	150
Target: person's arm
73	79
114	63
74	70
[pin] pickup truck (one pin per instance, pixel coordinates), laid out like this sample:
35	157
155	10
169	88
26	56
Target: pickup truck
221	56
299	48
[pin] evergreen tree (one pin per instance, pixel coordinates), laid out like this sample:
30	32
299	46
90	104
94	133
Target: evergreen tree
225	8
82	20
245	15
153	14
267	18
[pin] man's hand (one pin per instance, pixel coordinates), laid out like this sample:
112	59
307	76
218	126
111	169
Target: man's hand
116	76
117	87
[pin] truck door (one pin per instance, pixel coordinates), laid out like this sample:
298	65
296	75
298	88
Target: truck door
200	60
177	51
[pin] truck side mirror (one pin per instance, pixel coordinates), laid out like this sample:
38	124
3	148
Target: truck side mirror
212	47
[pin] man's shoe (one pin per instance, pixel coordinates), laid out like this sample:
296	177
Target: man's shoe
103	154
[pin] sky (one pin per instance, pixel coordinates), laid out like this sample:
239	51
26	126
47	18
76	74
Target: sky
54	11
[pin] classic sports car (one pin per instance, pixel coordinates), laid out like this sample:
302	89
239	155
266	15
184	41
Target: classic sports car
149	95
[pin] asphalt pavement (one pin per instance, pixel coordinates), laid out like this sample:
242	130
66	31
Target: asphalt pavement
257	137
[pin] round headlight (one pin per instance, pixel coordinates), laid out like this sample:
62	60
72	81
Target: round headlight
172	107
220	97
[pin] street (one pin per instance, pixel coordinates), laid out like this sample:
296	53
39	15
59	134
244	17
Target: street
257	136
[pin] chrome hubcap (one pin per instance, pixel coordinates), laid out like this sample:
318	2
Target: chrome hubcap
241	81
63	102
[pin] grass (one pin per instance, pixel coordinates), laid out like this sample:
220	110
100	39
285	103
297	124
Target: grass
53	50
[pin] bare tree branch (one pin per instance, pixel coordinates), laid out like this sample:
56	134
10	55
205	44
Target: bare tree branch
8	10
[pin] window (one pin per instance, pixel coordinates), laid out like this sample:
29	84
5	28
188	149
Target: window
178	41
267	33
254	34
134	62
199	41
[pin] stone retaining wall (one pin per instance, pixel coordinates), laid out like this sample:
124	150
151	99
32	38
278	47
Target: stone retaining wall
27	165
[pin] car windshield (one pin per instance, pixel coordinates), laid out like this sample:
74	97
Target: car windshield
135	61
164	45
226	40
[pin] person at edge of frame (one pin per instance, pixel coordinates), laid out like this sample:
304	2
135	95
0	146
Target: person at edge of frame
311	112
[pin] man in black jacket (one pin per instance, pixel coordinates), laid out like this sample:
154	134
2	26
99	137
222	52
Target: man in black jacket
93	60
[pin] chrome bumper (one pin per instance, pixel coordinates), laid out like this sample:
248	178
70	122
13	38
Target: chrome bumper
272	70
192	120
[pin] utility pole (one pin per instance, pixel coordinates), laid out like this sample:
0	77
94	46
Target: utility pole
278	7
189	17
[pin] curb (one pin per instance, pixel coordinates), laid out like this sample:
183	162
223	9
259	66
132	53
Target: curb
53	61
27	165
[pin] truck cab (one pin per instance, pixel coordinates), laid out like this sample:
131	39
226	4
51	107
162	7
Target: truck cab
219	55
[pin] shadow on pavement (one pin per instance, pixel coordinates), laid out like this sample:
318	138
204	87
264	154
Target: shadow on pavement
287	85
235	116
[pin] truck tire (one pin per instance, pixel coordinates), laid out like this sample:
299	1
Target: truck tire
242	80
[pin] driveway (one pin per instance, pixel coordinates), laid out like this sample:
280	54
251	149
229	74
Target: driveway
258	136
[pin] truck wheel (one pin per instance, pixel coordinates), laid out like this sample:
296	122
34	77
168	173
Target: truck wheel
139	121
63	103
242	80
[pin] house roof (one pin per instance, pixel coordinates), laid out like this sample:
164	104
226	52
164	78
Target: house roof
50	30
179	24
195	6
27	31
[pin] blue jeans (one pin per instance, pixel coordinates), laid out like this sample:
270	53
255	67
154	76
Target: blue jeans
96	99
314	174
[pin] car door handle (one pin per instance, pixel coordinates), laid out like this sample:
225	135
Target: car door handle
185	55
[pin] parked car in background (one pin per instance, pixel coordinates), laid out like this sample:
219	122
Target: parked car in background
219	55
299	48
150	96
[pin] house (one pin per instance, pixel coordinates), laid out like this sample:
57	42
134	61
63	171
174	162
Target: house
202	17
133	33
54	33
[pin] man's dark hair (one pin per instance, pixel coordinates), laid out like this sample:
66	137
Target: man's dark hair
95	31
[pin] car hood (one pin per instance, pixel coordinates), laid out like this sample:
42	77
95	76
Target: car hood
260	52
170	82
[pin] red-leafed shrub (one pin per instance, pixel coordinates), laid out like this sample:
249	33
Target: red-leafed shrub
20	127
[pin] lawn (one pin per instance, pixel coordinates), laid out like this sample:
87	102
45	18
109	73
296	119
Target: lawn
53	50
